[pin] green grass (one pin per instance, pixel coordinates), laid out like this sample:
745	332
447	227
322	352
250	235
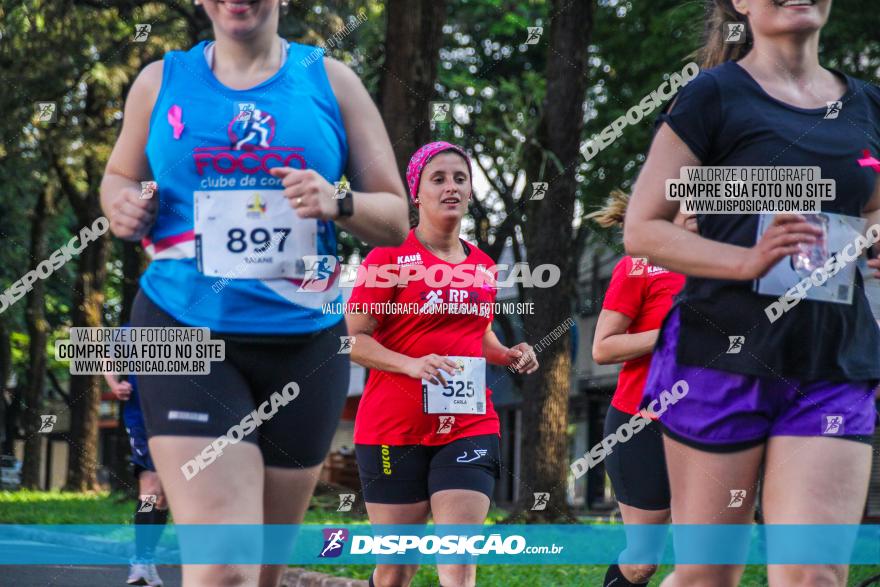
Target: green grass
53	507
56	507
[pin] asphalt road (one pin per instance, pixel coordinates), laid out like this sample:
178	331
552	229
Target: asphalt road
63	575
76	576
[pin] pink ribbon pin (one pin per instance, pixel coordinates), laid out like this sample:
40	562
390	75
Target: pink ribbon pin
869	161
175	115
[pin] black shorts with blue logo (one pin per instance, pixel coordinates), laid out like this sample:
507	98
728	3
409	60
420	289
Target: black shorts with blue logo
413	472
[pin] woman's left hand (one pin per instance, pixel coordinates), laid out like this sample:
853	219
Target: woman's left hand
522	358
309	194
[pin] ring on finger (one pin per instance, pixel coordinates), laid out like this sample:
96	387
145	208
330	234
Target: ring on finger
299	201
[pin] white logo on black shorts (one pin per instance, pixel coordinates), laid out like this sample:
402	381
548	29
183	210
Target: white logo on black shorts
191	416
478	453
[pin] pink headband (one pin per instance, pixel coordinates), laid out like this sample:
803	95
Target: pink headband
421	158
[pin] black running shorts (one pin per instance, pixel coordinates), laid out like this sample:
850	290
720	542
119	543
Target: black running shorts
298	435
412	473
637	467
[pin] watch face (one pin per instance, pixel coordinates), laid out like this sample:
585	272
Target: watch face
346	204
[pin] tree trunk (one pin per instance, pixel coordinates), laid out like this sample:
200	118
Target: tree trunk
412	43
132	265
38	333
88	295
7	427
548	238
85	390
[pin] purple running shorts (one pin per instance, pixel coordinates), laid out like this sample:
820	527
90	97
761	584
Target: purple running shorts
724	411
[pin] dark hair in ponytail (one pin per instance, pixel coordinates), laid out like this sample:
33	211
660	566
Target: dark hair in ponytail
714	50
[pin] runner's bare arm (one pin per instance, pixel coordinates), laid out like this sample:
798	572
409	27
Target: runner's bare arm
648	230
368	352
120	389
380	206
111	379
521	357
612	344
494	352
871	213
131	217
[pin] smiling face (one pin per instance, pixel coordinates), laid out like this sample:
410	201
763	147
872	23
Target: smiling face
445	188
778	17
241	19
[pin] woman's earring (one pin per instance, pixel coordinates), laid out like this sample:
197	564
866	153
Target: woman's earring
285	6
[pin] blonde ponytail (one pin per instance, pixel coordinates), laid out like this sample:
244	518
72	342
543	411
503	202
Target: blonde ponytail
612	213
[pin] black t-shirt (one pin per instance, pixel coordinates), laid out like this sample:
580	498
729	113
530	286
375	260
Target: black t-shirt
727	119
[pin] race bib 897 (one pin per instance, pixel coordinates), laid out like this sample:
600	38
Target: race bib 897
251	234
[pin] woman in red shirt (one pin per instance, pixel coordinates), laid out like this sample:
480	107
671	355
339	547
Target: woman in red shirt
638	298
426	433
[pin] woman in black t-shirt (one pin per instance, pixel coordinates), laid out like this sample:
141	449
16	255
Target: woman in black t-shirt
787	391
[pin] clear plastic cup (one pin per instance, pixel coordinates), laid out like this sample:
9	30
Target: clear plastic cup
811	256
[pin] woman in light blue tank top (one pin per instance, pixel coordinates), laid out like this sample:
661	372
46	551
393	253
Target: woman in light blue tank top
245	141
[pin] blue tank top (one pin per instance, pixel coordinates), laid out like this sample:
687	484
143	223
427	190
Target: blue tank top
199	141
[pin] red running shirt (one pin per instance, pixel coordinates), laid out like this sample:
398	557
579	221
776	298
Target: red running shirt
390	411
643	293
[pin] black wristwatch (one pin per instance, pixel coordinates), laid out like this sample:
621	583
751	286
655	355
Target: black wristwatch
345	205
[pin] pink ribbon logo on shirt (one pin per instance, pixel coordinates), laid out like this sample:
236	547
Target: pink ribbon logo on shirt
175	119
869	161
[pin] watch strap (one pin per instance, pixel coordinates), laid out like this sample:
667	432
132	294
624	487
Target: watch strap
345	205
